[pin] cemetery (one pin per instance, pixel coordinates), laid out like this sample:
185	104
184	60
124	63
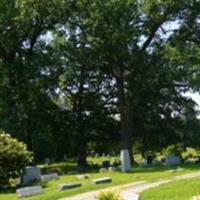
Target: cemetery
100	99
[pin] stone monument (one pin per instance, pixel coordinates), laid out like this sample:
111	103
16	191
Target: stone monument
31	175
172	160
125	161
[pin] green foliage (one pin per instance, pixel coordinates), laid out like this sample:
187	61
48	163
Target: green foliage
14	156
60	168
175	149
190	153
109	196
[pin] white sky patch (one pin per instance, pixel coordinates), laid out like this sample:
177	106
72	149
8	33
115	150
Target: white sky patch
196	97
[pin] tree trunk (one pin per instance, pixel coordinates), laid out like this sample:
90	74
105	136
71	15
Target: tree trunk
82	140
125	118
82	153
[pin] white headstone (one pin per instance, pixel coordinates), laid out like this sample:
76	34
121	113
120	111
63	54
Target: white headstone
29	191
172	160
125	161
31	174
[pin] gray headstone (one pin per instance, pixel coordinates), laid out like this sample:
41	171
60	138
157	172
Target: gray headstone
125	161
49	177
172	160
29	191
143	164
102	180
68	186
47	161
31	174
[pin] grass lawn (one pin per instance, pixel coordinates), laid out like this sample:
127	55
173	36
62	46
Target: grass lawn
138	174
179	190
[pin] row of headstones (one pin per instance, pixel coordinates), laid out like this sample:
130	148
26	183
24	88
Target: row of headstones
169	161
35	190
33	174
126	164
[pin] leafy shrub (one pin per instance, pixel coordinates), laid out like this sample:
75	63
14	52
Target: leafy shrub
109	196
60	168
190	153
14	156
175	149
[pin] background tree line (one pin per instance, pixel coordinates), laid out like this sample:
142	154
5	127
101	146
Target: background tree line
80	75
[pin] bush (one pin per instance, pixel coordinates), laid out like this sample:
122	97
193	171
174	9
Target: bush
14	156
175	149
190	153
109	196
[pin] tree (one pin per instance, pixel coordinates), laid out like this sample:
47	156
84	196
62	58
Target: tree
25	26
84	93
124	36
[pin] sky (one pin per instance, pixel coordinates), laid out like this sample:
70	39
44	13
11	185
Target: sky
196	98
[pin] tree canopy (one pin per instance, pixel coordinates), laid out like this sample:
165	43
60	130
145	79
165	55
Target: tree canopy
87	72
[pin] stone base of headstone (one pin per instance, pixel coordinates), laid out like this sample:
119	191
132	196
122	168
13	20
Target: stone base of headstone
125	161
29	191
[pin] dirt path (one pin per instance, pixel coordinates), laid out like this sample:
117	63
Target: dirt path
134	188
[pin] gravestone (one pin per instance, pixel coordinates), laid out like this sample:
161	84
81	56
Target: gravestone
47	161
103	170
172	160
68	186
49	177
29	191
83	176
112	169
143	164
31	175
65	157
102	180
125	161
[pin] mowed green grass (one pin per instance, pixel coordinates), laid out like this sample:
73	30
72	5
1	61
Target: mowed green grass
149	174
179	190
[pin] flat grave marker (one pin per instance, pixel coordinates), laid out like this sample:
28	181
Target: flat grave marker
102	180
68	186
29	191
